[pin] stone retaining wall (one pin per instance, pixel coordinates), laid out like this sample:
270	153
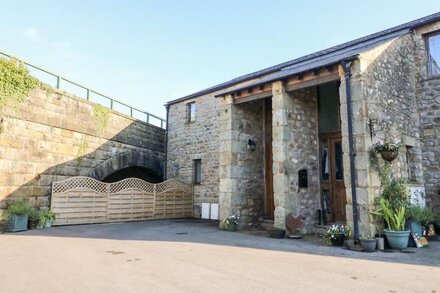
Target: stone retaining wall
54	135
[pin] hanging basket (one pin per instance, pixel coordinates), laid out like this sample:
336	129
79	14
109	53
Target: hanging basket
389	156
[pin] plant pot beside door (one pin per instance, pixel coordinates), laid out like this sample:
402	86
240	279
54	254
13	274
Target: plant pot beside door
394	217
338	240
397	239
368	244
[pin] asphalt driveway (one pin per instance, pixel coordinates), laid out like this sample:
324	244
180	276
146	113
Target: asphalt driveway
195	256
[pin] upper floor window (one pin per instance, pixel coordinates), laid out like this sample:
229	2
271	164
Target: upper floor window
191	112
434	55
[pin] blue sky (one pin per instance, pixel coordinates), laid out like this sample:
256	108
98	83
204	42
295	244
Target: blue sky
145	53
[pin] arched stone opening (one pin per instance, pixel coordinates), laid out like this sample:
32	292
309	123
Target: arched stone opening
143	173
125	160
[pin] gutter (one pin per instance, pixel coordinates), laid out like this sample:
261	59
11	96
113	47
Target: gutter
346	65
165	165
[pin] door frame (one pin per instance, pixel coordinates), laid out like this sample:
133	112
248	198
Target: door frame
331	183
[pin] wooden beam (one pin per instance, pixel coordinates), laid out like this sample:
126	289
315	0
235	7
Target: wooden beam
261	95
312	82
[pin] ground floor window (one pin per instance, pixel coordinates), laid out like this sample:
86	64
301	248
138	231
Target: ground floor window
197	171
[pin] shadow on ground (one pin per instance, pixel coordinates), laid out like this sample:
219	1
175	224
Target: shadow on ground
207	232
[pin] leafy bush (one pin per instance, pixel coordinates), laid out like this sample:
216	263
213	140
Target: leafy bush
394	216
17	207
424	215
34	214
15	82
46	216
396	193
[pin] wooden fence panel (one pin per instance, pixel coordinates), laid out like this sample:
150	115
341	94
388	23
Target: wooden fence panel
84	200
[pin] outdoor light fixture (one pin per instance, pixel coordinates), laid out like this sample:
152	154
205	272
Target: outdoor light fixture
251	144
377	125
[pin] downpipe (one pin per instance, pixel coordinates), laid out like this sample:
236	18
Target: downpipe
346	65
165	165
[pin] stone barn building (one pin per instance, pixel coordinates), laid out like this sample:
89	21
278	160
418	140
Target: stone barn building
296	137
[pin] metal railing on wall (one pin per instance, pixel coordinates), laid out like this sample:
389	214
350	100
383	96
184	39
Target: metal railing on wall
112	103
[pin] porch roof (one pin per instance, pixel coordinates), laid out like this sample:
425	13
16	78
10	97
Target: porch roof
318	59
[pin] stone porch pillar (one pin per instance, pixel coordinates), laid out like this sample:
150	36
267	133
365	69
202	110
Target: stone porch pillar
229	192
285	201
367	180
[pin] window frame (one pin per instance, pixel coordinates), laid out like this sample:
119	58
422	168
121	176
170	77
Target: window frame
428	50
189	117
197	172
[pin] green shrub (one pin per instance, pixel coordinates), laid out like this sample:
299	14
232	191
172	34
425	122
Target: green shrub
393	216
424	215
46	215
18	206
15	82
34	214
396	193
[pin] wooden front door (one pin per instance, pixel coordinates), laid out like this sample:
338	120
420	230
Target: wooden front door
269	205
332	178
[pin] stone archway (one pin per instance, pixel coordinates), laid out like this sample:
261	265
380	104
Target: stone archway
125	160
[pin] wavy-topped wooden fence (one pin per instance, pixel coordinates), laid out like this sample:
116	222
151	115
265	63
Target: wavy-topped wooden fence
84	200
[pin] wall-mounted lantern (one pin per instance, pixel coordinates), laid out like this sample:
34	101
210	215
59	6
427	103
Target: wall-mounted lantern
251	144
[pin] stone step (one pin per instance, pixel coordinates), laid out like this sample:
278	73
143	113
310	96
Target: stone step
320	229
265	223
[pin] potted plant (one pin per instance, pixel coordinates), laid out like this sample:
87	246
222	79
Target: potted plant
368	243
418	216
337	234
379	226
231	222
47	217
388	150
34	218
394	216
16	215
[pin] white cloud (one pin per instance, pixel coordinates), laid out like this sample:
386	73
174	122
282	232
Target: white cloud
33	34
62	45
127	73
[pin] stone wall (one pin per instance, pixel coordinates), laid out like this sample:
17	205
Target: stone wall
428	99
242	170
53	136
383	88
199	139
303	153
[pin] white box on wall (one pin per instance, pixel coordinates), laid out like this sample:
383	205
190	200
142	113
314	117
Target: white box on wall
214	211
206	210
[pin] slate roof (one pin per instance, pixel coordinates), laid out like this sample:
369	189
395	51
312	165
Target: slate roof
332	55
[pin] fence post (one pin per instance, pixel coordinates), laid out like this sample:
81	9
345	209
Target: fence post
107	193
88	94
58	81
154	201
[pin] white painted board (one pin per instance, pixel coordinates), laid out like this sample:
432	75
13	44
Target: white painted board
205	210
214	211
